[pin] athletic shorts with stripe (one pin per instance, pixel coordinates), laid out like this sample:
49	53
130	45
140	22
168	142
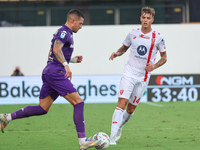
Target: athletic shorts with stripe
132	89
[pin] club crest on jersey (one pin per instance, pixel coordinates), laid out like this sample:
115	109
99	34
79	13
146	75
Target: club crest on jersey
63	34
142	50
121	92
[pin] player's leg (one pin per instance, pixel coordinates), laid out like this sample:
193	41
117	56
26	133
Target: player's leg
65	88
28	111
126	116
117	118
47	95
78	117
134	100
78	114
125	90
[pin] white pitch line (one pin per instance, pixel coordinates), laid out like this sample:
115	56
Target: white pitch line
152	129
42	131
175	128
153	104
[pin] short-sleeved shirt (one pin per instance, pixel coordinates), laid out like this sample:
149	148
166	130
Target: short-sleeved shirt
143	50
65	35
53	75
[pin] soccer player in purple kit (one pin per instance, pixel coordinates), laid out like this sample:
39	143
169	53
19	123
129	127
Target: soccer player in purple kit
56	78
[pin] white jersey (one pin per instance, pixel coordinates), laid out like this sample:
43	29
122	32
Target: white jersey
143	50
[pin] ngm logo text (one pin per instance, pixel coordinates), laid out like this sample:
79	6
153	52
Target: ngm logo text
174	80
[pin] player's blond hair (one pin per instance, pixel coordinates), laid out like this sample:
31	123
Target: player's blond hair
148	10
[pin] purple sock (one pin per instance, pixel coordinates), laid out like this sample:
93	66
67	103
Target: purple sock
27	112
79	119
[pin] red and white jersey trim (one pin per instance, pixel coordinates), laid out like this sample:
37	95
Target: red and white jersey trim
143	50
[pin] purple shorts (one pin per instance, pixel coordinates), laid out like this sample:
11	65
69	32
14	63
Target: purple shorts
55	85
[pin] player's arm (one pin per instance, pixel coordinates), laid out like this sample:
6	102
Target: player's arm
161	62
119	52
57	50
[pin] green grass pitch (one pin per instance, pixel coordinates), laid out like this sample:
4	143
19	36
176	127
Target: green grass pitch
154	126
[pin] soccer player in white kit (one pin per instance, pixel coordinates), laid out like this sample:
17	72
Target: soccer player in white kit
144	43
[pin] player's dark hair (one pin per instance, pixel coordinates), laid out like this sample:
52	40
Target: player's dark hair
75	12
148	10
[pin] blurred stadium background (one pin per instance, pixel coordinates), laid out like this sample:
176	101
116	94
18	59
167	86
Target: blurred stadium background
154	126
97	12
27	46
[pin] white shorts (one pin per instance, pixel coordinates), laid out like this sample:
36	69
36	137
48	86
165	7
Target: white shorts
132	89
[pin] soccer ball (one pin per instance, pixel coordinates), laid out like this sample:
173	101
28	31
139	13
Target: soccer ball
104	140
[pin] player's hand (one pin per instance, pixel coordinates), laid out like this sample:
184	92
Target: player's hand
149	67
68	72
113	55
79	59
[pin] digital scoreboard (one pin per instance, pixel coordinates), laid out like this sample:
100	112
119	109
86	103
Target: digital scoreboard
174	88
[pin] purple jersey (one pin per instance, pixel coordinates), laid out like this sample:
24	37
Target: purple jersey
53	75
65	35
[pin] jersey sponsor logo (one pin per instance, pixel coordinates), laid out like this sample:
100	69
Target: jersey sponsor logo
141	57
63	34
142	50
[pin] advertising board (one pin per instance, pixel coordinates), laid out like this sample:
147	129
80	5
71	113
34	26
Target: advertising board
92	89
172	88
102	89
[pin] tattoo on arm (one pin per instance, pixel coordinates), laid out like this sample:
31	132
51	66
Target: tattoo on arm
57	49
58	44
122	50
162	60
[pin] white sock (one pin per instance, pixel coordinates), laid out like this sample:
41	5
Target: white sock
125	117
8	117
81	140
116	120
